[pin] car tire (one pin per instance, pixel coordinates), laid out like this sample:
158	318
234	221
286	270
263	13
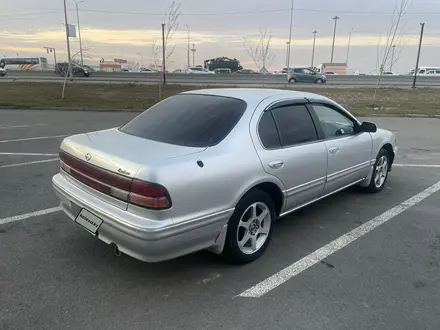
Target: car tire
319	81
380	172
250	228
292	81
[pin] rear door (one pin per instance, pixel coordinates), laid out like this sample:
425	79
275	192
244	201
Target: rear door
289	149
349	150
299	75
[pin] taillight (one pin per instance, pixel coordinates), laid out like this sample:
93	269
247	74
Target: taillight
149	195
140	193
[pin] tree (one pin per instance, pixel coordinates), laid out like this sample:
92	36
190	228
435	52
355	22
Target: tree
385	56
259	51
171	20
155	48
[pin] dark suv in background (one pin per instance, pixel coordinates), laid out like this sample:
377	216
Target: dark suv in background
305	75
62	69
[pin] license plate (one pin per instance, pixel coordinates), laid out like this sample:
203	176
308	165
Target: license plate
89	221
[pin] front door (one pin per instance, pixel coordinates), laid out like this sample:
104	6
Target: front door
349	150
288	147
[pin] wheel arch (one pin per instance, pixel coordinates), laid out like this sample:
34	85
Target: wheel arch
389	148
274	190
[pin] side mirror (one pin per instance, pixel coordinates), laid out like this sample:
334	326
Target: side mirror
368	127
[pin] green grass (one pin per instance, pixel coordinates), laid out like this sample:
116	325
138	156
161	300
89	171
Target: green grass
389	101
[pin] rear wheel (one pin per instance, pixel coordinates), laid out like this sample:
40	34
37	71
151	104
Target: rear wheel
380	172
292	80
250	228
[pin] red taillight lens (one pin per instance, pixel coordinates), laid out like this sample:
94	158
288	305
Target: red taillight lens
149	195
145	194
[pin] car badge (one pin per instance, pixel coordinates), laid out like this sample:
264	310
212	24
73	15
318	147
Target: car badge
88	156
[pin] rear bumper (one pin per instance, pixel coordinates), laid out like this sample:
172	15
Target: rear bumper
153	241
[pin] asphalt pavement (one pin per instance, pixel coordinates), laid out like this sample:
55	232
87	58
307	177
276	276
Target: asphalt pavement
54	275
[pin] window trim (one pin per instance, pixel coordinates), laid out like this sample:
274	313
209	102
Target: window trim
356	125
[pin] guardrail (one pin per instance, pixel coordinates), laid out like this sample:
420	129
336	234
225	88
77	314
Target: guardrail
218	79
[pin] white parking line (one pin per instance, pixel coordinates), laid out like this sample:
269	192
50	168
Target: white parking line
315	257
416	165
29	215
21	126
34	138
30	163
24	154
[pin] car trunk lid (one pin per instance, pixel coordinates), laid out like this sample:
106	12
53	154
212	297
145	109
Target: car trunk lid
107	161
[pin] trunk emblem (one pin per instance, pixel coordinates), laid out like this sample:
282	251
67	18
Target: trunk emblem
88	156
122	171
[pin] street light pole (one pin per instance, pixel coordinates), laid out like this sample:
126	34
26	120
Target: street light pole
79	30
348	47
392	57
334	37
290	36
142	58
313	50
188	46
287	53
67	39
163	54
418	54
194	54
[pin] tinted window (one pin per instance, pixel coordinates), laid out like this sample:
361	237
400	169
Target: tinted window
333	122
298	70
268	132
294	124
188	120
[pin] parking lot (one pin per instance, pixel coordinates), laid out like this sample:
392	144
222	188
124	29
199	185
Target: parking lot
351	261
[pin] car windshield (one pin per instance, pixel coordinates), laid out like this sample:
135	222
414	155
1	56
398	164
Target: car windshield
191	120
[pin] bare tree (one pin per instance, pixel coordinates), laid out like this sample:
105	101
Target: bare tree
171	20
260	51
393	37
155	48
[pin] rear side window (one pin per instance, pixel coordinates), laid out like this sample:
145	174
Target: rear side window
268	132
295	125
188	120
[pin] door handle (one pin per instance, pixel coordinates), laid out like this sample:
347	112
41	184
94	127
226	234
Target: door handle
334	150
276	164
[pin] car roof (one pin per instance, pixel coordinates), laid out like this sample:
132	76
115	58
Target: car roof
252	95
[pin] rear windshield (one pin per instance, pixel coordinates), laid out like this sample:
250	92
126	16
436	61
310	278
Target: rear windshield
188	120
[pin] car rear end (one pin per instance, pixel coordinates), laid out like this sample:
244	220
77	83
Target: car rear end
136	186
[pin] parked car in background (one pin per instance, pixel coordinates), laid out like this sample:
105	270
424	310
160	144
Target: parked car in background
305	75
213	169
198	70
431	73
2	72
148	70
247	71
62	69
389	73
179	71
330	73
222	71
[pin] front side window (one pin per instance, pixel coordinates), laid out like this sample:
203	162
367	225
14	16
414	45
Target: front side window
334	123
307	71
295	125
191	120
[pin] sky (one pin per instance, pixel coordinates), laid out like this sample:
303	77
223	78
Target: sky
126	29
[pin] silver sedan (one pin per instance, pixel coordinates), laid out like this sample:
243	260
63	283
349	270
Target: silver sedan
213	169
